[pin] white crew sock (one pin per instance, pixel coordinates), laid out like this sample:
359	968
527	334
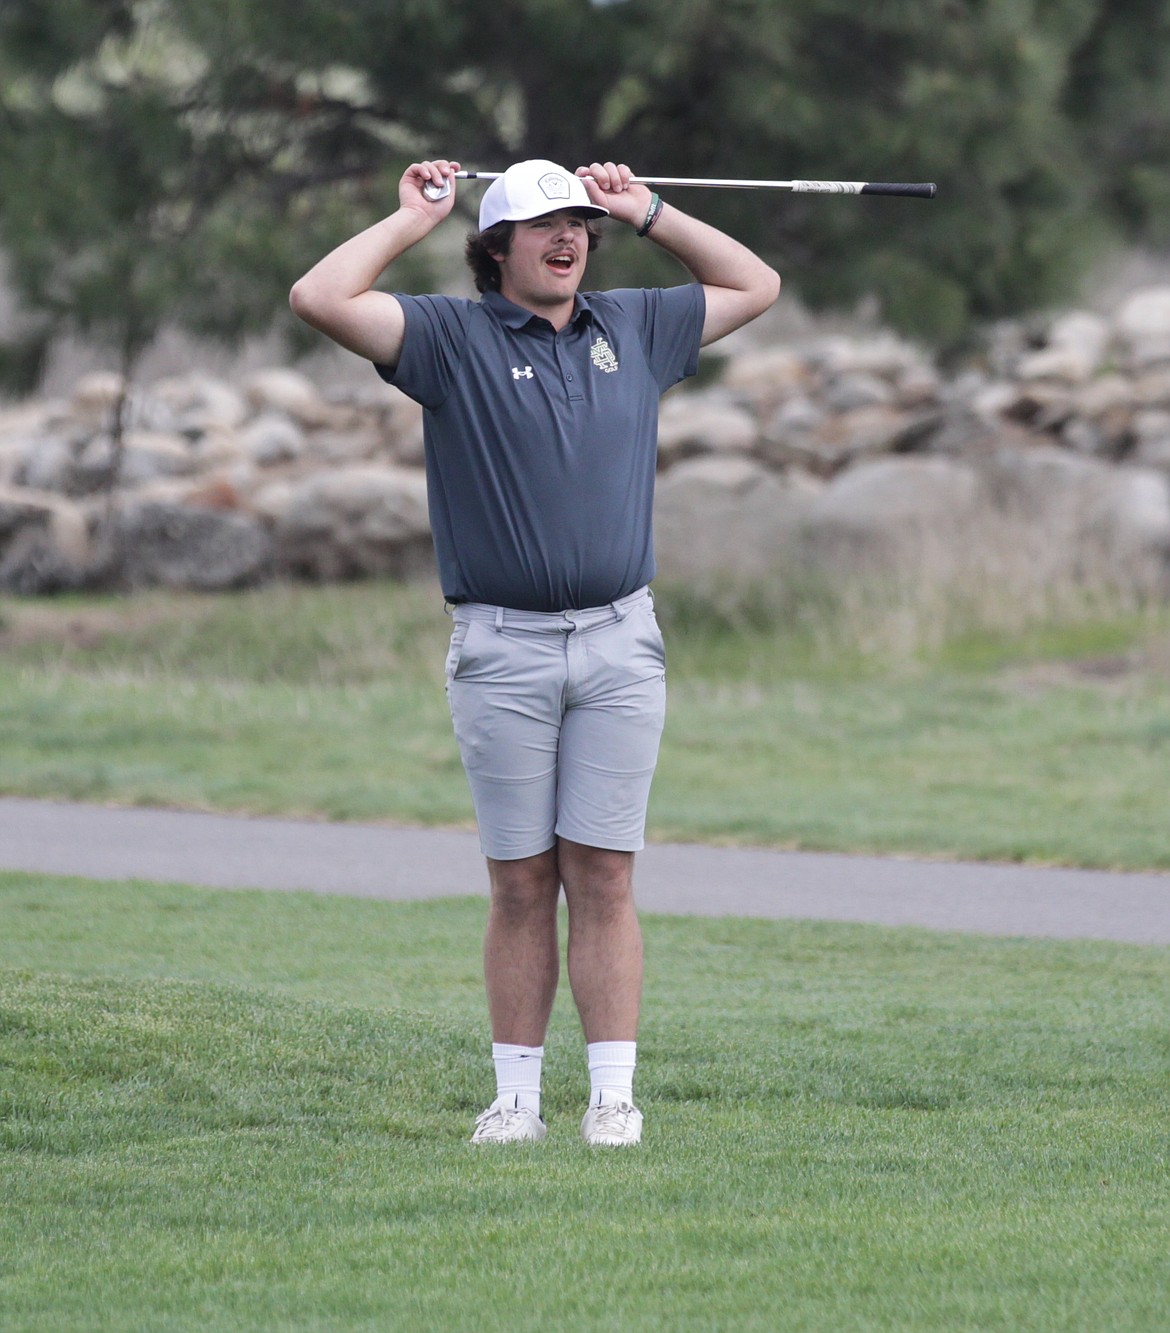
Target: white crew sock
611	1071
518	1074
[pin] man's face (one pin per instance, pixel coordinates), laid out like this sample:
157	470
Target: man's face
546	263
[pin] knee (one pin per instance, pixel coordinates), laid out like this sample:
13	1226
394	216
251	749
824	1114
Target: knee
521	888
597	882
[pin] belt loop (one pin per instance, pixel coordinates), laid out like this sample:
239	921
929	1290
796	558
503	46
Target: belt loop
499	619
621	608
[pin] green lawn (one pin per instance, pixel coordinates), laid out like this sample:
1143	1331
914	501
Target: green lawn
1047	745
249	1111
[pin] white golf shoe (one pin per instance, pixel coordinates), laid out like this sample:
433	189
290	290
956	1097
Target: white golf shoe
612	1125
504	1122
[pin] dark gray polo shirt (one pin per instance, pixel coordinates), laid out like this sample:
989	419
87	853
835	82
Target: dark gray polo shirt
541	446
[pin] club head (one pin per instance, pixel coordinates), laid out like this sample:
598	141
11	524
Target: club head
435	192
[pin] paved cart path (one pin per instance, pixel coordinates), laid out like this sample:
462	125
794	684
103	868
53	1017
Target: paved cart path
376	861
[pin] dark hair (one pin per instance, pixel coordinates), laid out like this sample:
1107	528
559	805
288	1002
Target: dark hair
482	246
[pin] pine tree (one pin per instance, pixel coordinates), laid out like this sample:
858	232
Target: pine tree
182	161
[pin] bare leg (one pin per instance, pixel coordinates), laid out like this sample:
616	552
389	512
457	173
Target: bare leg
521	956
605	940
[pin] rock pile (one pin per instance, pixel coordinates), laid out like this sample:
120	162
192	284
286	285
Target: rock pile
842	452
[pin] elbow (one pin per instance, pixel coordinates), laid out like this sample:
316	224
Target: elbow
310	304
301	301
760	293
313	304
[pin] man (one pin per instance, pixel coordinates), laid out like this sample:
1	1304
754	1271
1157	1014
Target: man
541	431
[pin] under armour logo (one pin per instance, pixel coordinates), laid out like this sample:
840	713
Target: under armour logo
518	374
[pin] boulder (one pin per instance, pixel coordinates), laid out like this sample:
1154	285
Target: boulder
1076	346
272	438
96	395
214	491
765	378
1104	394
218	449
894	514
959	433
840	439
1151	439
174	545
789	439
288	392
272	501
1104	526
987	398
852	390
1142	326
1067	364
1041	405
704	423
918	386
200	404
146	456
352	522
1127	526
1152	388
726	519
884	355
27	419
328	448
45	544
1083	436
11	458
45	462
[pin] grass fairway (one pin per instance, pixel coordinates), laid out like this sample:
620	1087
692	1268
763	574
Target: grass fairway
249	1111
1049	745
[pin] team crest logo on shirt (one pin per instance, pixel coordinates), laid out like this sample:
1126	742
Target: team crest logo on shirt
601	354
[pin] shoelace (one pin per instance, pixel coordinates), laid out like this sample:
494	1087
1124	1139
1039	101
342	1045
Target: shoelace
613	1115
495	1120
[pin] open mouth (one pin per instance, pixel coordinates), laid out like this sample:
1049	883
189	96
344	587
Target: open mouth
561	263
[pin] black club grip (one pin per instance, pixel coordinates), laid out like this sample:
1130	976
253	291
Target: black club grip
922	190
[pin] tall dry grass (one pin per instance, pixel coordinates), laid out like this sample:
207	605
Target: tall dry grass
906	602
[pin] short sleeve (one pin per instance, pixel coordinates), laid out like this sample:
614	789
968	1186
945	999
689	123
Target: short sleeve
436	333
670	323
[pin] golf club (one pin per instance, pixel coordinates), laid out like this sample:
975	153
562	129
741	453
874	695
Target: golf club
919	190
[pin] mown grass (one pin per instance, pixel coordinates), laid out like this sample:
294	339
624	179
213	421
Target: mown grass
794	726
249	1111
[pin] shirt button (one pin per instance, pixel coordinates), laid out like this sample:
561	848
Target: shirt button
570	379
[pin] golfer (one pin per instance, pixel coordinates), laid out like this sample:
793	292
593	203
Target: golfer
541	420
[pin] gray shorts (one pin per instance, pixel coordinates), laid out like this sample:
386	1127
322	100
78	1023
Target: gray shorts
558	716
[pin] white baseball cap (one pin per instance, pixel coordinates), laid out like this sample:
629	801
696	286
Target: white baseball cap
531	189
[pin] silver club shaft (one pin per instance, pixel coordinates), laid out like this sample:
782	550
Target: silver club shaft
919	189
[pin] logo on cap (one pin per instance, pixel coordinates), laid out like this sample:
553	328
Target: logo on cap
554	186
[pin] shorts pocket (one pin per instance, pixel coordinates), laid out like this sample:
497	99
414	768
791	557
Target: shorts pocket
455	651
650	636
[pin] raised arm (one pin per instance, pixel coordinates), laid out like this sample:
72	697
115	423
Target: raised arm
738	284
335	295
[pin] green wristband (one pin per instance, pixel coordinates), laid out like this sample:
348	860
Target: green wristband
651	215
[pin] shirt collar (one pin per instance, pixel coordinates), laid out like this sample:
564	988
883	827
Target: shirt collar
516	317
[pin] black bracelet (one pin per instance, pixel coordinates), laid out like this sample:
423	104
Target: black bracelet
652	214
